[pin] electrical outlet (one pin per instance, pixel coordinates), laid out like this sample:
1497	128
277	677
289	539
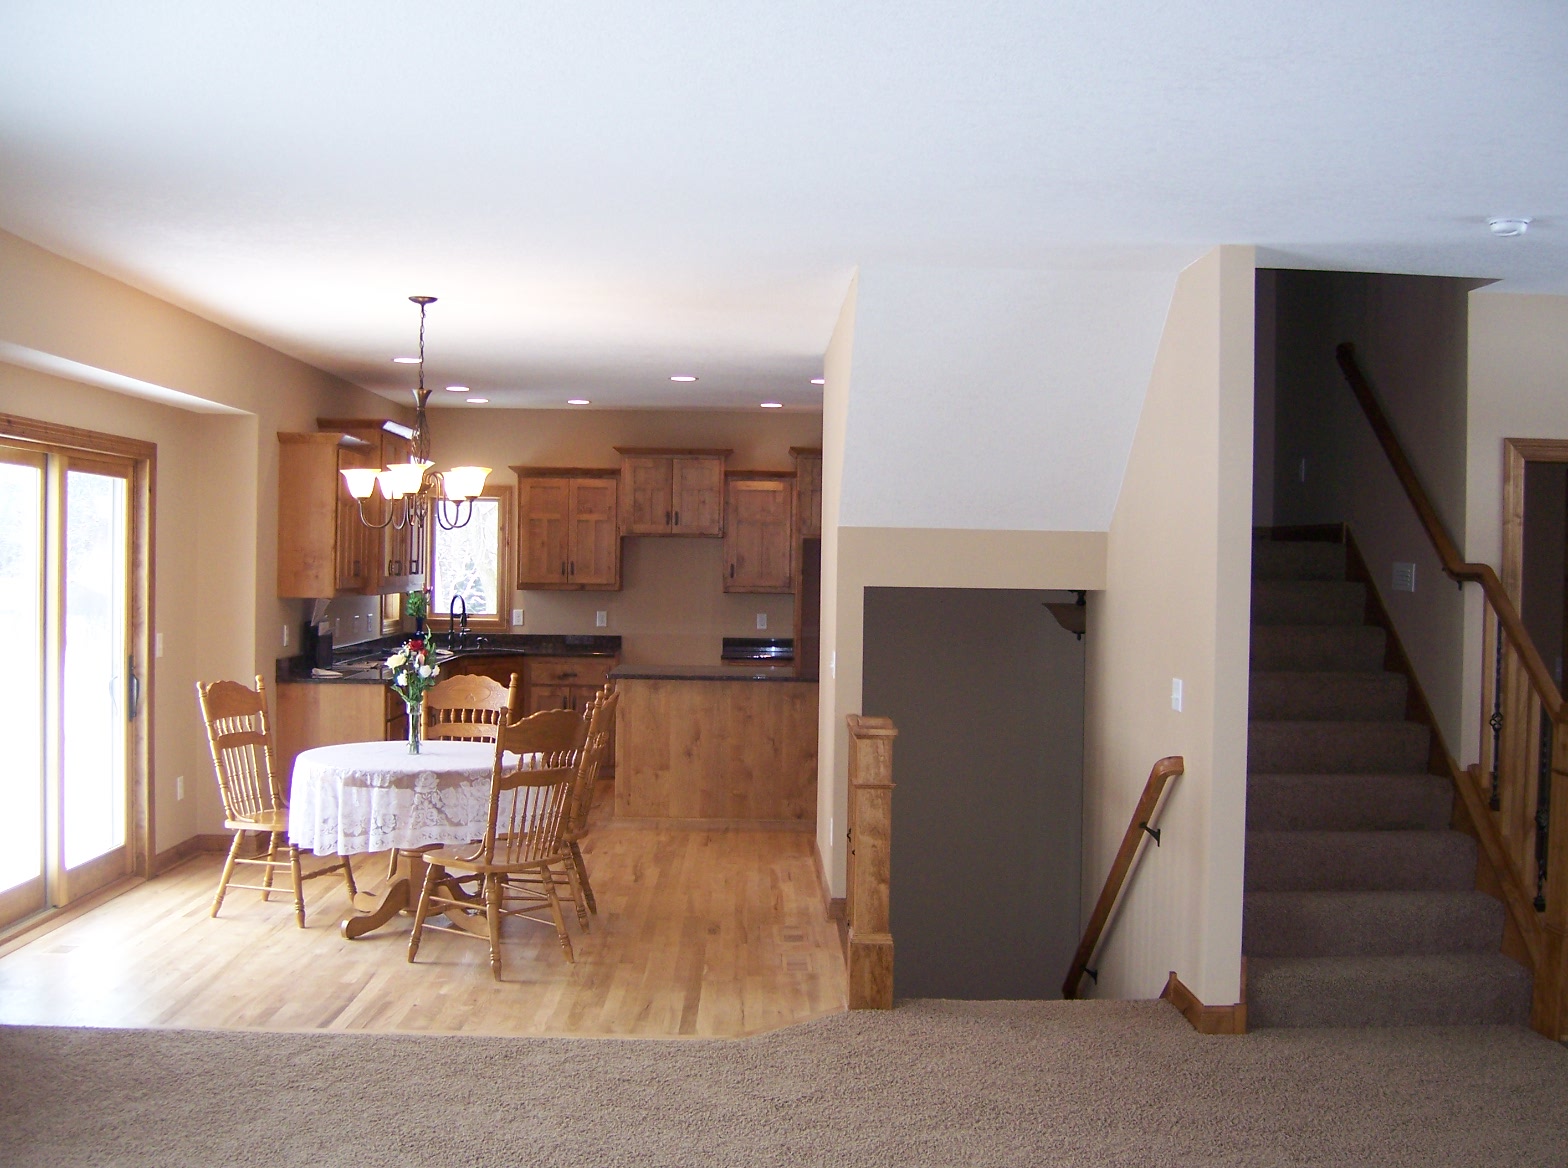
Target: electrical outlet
762	620
1176	694
1404	577
157	644
517	617
601	619
179	787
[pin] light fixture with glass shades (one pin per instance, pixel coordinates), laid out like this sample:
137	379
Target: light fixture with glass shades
414	490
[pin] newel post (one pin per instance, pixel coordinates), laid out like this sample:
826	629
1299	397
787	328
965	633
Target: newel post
1552	1005
870	838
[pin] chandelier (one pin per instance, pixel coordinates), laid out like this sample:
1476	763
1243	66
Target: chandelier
414	490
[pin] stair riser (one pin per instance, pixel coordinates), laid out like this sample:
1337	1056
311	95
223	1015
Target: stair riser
1348	802
1297	560
1336	747
1469	992
1313	697
1346	648
1302	602
1303	861
1369	924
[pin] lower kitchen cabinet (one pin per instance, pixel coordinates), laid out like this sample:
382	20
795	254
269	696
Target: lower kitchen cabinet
307	714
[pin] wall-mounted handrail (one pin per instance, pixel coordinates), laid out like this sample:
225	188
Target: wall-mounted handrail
1141	825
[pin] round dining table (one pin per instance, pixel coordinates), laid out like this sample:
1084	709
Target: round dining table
358	797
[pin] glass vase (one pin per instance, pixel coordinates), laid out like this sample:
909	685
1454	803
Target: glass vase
416	725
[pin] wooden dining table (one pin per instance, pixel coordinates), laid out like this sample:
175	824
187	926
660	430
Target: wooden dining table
359	797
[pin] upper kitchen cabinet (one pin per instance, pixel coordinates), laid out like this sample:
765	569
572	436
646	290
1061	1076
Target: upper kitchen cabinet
568	528
759	536
672	492
394	555
323	548
808	490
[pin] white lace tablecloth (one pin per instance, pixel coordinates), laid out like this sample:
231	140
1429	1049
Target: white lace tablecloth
371	796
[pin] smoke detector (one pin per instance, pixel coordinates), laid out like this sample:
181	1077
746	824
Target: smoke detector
1506	228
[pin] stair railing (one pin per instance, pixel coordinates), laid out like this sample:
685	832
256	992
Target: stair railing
1139	827
1523	771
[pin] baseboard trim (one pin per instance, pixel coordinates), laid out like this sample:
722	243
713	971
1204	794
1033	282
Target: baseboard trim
1206	1019
196	845
25	932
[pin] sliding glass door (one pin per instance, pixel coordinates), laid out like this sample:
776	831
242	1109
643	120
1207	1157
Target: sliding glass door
66	606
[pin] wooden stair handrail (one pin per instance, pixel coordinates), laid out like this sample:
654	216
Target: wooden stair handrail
1447	553
1142	817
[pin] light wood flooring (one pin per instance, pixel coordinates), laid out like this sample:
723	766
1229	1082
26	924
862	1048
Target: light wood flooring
699	934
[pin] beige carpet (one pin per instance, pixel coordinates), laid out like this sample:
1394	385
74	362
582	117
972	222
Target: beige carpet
932	1083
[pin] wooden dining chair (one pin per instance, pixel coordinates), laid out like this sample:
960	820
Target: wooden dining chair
511	872
600	718
240	737
470	707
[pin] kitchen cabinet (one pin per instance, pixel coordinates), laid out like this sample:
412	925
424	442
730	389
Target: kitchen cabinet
393	556
568	529
672	492
759	535
568	683
308	714
323	548
808	490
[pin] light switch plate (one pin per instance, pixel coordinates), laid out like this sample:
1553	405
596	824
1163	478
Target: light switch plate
1176	694
517	617
157	643
762	620
179	787
601	619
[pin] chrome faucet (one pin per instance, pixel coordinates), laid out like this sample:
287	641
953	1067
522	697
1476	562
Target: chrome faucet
457	639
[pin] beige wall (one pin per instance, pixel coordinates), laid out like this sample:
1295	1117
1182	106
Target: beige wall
1176	603
215	538
1518	372
671	607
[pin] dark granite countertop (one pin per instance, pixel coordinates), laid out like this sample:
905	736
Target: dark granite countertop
362	662
745	671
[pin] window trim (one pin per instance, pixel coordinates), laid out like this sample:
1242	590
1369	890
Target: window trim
501	622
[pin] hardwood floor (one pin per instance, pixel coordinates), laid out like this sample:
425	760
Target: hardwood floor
699	933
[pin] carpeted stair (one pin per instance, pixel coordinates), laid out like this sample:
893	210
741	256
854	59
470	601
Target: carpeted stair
1360	906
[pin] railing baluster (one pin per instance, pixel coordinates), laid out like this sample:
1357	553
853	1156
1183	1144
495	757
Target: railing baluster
1543	810
1496	720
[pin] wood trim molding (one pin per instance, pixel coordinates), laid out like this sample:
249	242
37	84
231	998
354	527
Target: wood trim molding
1517	452
196	845
1208	1019
566	472
74	438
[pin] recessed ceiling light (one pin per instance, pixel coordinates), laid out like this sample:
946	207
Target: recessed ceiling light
405	360
1508	227
773	405
819	381
457	389
683	377
578	401
478	401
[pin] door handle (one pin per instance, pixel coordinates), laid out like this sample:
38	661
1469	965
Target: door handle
732	571
677	519
133	686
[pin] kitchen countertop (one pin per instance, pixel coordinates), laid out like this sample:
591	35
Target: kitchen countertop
740	671
363	662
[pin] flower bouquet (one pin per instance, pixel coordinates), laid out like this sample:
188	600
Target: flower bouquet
413	672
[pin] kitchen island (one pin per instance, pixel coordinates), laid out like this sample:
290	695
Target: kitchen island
720	745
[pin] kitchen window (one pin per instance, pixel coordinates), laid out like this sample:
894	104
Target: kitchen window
472	562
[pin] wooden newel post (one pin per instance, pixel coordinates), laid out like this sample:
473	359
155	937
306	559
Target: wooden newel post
870	840
1551	1004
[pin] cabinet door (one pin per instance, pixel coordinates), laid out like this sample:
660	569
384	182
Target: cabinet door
548	697
544	527
648	500
699	495
808	495
595	558
758	541
356	543
401	554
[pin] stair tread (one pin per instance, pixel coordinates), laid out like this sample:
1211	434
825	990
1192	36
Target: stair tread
1360	860
1348	802
1421	989
1368	923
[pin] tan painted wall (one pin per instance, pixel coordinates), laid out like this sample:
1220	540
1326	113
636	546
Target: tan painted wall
216	537
1176	603
671	607
1518	372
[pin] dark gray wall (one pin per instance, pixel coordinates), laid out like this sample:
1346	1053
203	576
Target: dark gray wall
986	690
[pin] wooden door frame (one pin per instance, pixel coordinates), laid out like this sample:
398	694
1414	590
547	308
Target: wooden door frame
1516	453
51	437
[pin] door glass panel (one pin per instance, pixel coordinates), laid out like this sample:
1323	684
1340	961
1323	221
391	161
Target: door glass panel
93	714
465	562
21	714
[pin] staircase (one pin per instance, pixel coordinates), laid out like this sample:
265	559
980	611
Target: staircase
1361	907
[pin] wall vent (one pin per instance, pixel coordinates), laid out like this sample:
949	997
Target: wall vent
1404	577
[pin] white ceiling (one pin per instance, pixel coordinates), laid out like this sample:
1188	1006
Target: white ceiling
603	195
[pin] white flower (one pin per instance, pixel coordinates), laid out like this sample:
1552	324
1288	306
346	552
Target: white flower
434	670
424	671
396	660
401	679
